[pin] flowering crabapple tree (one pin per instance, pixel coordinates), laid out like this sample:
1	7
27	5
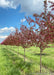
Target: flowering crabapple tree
25	38
13	39
8	41
17	38
46	28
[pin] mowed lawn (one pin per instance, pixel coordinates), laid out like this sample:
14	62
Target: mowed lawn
12	63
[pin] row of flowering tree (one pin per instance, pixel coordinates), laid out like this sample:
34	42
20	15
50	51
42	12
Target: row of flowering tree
40	37
19	38
46	28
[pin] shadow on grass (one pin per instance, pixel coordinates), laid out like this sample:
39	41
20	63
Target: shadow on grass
16	64
43	54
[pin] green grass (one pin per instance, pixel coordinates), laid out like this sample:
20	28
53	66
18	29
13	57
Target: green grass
47	57
13	64
34	54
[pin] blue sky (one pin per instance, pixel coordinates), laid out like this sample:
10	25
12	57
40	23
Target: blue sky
10	17
13	12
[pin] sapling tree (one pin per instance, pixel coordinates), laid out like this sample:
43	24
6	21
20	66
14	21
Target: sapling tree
17	38
9	40
45	30
25	38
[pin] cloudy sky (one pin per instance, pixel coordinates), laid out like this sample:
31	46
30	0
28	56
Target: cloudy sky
13	12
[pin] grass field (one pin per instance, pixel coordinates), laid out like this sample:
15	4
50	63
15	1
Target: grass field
12	63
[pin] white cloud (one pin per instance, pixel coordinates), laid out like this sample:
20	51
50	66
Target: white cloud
4	32
6	29
23	20
3	37
28	6
51	0
33	6
4	3
7	3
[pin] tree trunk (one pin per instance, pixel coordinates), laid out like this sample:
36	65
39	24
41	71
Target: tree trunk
24	55
40	60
